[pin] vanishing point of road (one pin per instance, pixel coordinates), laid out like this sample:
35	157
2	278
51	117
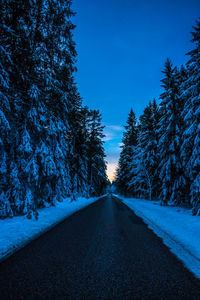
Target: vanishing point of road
102	252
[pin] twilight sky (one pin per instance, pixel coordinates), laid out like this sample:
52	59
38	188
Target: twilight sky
122	46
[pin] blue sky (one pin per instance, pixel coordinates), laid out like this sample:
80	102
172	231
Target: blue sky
122	46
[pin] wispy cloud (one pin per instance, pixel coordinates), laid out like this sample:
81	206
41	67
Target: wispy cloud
115	127
112	132
108	136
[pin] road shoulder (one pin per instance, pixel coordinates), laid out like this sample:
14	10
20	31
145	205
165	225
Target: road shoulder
18	232
177	228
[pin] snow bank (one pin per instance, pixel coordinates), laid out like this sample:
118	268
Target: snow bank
177	227
17	232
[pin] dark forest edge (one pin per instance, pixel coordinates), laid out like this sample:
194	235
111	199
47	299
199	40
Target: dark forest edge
160	157
51	145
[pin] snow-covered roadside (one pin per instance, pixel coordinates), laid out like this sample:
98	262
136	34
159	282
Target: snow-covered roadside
17	232
177	227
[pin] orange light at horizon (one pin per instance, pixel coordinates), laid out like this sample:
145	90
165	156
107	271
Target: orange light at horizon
111	170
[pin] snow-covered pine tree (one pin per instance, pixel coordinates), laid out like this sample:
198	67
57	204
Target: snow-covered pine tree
78	139
52	53
82	146
4	137
170	168
61	89
96	156
156	115
15	26
5	208
191	144
5	109
145	163
127	157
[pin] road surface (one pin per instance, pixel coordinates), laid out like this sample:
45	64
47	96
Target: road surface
102	252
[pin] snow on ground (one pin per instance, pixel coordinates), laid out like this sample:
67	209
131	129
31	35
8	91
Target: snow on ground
17	232
177	227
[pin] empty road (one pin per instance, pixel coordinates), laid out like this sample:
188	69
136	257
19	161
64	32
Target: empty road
102	252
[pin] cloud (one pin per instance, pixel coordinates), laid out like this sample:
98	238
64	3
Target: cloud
115	127
112	132
108	136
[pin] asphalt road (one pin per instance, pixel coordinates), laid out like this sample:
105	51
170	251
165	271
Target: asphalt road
102	252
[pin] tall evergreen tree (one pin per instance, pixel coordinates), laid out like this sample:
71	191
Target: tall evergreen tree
127	155
170	131
145	164
191	144
78	137
96	157
4	105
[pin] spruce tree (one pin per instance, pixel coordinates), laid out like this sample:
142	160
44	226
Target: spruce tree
145	163
191	144
96	156
170	168
129	143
